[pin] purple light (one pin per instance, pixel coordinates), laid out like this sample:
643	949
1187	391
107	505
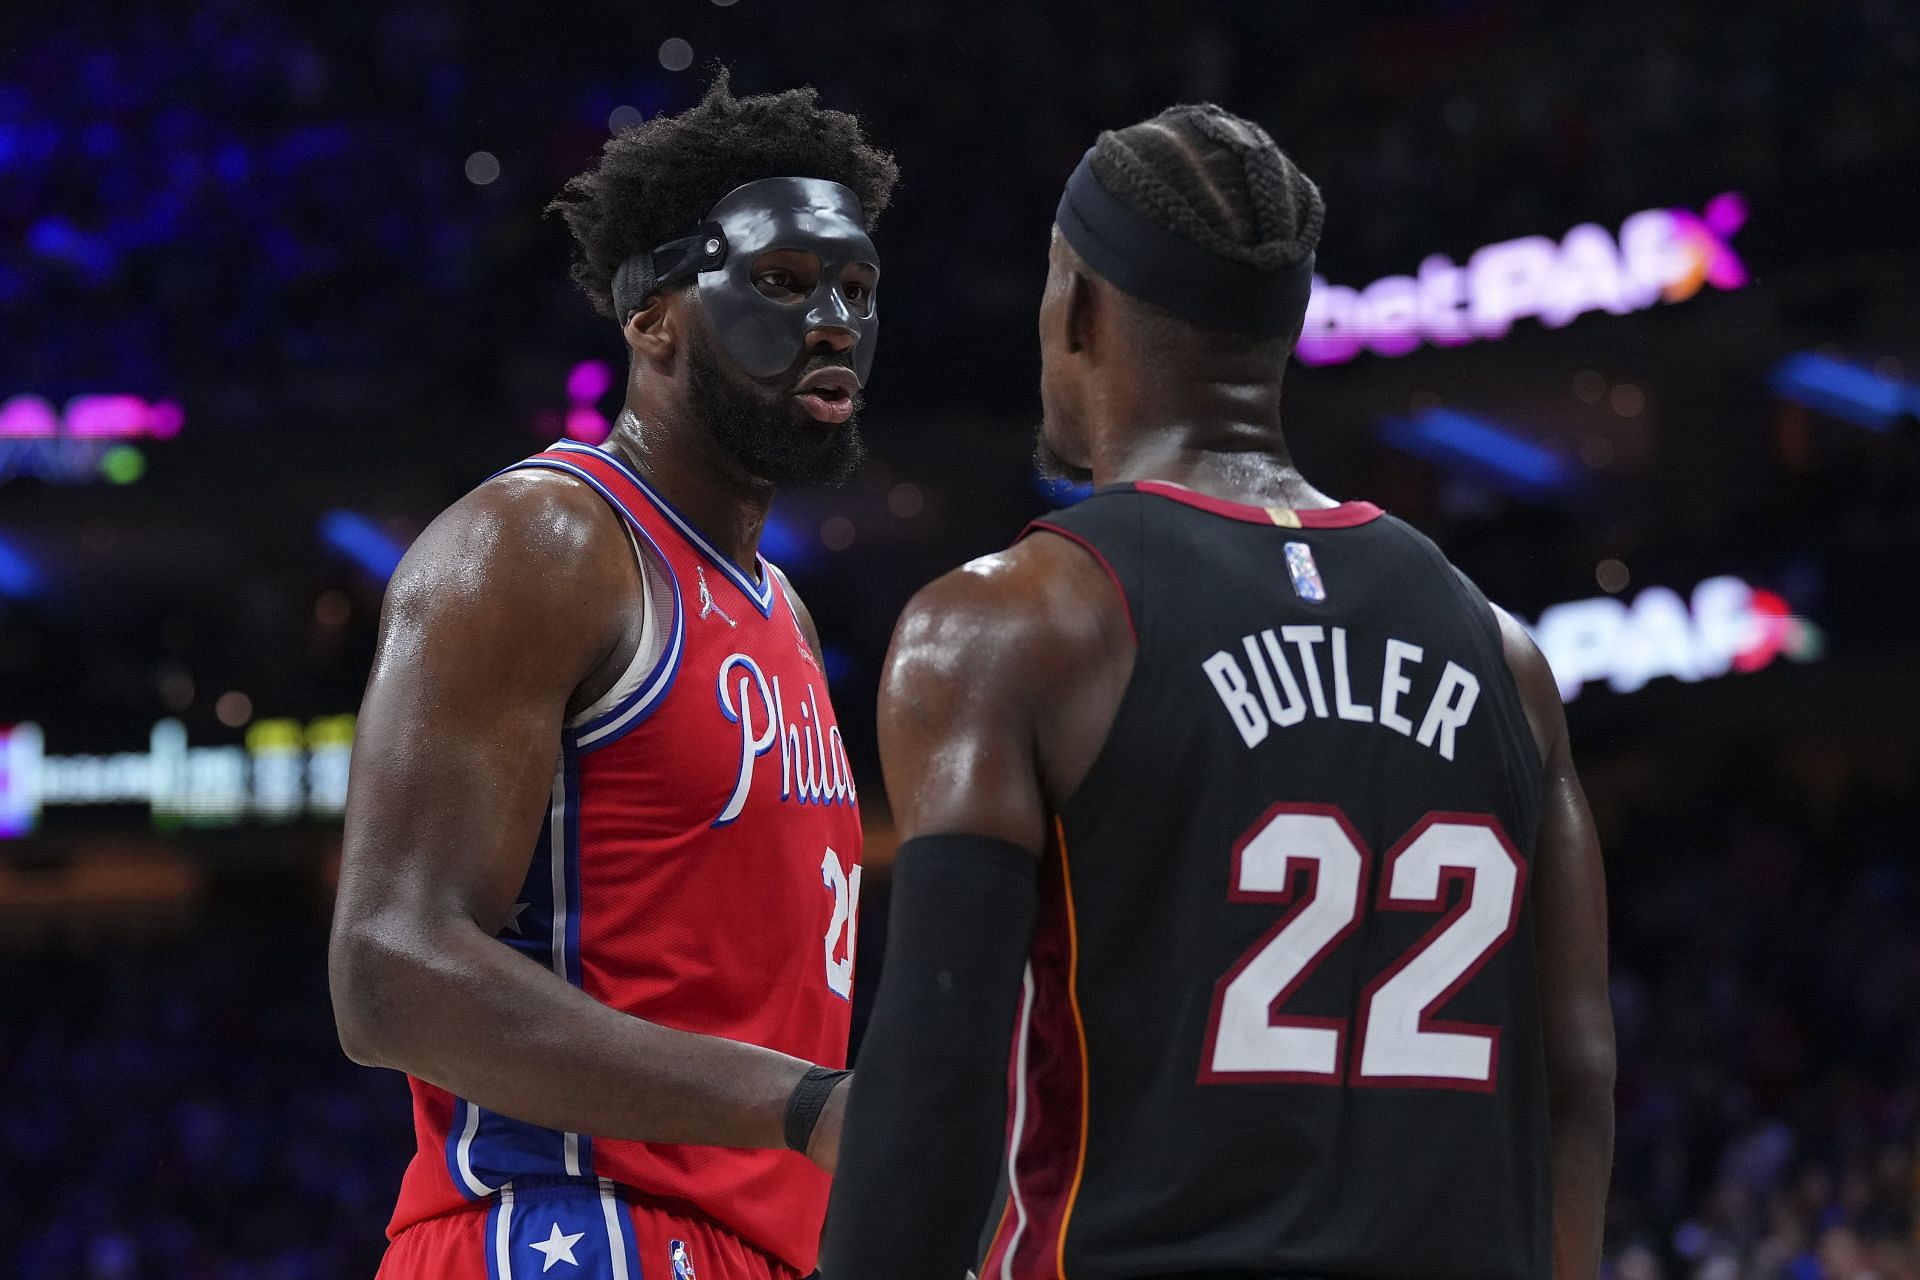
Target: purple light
28	417
163	423
587	424
589	381
92	417
112	417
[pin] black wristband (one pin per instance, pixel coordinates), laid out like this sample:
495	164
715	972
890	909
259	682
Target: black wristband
807	1101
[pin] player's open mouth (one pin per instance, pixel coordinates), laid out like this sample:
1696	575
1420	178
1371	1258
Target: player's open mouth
828	395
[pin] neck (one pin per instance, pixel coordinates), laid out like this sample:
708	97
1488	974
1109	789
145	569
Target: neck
681	460
1219	438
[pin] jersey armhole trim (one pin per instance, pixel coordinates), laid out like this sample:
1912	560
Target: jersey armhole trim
609	726
1126	603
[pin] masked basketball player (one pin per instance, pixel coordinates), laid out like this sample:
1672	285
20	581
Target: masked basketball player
1237	814
602	850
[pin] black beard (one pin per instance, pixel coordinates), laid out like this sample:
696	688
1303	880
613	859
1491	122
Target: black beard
1052	466
760	435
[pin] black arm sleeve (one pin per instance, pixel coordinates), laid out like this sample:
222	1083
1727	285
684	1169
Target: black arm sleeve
921	1148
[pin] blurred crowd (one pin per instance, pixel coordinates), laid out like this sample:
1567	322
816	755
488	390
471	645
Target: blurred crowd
180	1111
1767	974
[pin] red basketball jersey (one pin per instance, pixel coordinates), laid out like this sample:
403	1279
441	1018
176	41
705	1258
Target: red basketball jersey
699	868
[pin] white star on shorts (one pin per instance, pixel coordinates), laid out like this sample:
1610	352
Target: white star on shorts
557	1248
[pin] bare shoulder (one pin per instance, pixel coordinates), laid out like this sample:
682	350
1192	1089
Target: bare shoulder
1001	684
1539	693
1024	616
530	550
1029	647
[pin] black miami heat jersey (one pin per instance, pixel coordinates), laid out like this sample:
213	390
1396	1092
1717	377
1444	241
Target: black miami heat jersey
1280	1016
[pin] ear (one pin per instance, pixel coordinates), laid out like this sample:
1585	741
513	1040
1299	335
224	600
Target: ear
1082	317
653	332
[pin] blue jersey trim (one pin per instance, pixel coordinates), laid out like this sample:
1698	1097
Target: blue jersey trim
546	928
499	1266
464	1113
570	862
626	1243
761	594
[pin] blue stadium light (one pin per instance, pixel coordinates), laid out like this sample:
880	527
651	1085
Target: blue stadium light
59	240
20	577
1060	493
840	664
782	542
1482	450
362	541
1845	391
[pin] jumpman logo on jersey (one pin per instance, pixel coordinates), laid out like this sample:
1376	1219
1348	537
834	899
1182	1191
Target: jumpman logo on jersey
707	605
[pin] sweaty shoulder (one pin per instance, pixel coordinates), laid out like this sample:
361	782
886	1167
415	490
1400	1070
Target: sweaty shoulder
1016	620
529	558
1539	694
1023	652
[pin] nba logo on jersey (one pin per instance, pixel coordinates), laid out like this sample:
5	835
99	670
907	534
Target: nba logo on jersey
682	1264
1306	574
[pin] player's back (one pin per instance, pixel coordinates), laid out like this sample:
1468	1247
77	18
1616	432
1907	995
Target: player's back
1281	1014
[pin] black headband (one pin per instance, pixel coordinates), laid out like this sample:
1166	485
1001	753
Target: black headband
1165	268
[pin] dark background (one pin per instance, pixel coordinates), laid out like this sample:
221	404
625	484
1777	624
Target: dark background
264	214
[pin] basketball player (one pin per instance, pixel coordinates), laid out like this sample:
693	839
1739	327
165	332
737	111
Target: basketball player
1237	814
602	850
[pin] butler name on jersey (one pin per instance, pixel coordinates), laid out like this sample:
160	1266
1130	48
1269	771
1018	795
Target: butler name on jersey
1280	703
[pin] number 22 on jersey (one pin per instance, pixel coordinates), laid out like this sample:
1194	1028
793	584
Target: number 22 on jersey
1400	1042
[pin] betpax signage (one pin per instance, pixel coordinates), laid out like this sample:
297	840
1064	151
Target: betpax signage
1658	255
286	770
1723	626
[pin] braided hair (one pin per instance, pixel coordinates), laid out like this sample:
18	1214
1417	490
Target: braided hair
1217	180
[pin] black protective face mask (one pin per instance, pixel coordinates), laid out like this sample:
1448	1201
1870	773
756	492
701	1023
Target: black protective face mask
765	337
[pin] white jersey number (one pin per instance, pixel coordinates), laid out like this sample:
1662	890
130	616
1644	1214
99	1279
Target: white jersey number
843	931
1400	1041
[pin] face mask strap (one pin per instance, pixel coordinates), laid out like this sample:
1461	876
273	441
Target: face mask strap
645	274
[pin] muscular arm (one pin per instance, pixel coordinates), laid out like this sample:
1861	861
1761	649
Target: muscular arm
999	688
502	609
1570	901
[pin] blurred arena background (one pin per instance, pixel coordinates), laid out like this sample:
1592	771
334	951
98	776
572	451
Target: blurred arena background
1618	306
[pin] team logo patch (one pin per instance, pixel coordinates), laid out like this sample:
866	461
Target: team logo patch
1305	573
682	1263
